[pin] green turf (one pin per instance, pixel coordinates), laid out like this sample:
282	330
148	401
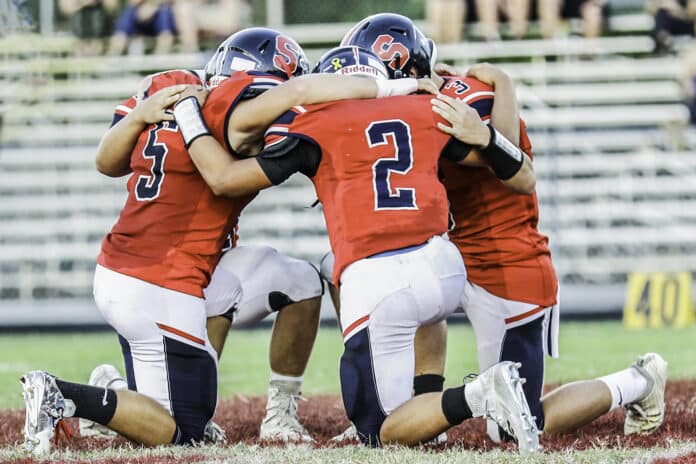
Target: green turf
587	349
299	454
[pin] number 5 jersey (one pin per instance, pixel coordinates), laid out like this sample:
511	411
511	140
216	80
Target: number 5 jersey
172	228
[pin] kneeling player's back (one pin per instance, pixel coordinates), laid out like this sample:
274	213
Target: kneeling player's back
377	178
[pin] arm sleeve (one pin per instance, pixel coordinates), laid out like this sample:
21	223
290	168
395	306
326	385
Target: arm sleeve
456	150
292	155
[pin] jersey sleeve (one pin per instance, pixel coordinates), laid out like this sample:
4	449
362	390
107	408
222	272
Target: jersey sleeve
480	97
151	84
224	98
287	150
473	92
123	109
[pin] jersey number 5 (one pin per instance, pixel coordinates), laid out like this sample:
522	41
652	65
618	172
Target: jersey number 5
148	187
399	132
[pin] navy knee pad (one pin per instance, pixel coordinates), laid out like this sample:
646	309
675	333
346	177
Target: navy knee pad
360	397
525	344
192	388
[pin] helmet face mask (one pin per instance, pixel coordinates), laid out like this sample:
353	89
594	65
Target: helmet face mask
403	48
257	49
351	61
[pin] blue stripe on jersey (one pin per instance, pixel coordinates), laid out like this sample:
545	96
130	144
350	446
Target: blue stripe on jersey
117	118
286	118
483	106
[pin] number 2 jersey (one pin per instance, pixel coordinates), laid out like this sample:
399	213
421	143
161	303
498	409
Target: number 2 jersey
172	228
374	165
494	228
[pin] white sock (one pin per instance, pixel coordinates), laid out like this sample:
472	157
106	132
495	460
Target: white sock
287	379
473	394
626	387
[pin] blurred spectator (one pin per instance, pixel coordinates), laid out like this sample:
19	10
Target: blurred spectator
216	18
687	79
593	13
90	21
446	19
672	17
150	18
516	12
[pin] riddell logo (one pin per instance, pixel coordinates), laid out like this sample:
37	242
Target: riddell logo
287	56
395	52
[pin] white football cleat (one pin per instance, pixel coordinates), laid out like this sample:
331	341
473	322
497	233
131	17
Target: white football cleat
103	376
45	408
505	403
214	434
281	422
646	415
348	435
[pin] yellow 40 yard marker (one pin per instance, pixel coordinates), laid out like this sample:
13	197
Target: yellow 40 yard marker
658	299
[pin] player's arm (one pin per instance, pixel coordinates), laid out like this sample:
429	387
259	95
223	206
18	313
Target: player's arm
114	151
250	118
476	144
225	175
505	116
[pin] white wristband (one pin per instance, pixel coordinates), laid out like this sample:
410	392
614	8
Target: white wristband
396	87
188	117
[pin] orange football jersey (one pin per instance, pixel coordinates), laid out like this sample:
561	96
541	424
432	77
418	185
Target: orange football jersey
377	179
495	229
172	228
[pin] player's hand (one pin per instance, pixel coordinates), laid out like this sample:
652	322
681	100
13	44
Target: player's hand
426	85
438	80
466	125
444	69
153	109
197	91
489	74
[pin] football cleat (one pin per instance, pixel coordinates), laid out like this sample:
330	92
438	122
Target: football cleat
348	435
214	434
281	422
45	408
505	403
646	415
103	376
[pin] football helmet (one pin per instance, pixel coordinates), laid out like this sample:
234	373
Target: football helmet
351	60
257	49
397	41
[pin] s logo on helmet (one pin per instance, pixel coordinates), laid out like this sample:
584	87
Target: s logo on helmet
286	57
395	53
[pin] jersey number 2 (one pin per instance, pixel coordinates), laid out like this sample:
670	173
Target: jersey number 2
148	187
378	134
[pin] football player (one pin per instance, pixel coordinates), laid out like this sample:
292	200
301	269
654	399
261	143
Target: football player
511	294
374	167
511	298
158	258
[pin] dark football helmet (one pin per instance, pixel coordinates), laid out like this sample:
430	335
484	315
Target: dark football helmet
257	49
397	41
353	61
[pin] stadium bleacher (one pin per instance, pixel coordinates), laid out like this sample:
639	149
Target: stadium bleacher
616	180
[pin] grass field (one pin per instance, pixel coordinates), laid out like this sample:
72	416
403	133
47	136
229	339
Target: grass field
587	350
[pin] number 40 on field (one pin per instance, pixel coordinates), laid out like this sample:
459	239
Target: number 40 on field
658	299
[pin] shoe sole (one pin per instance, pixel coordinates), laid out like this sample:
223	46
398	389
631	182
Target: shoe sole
653	421
520	418
37	442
